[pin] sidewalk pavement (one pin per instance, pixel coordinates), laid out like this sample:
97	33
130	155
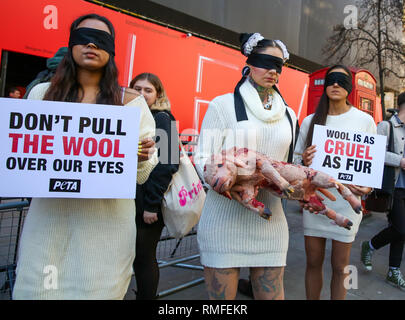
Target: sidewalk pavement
371	285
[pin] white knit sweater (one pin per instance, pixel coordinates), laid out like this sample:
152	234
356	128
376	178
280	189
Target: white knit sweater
229	235
83	246
319	225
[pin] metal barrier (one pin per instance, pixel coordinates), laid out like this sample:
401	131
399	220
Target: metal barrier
12	214
170	252
173	253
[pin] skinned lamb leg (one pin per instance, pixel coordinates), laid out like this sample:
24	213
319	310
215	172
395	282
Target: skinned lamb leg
273	176
315	201
349	197
322	180
246	196
338	219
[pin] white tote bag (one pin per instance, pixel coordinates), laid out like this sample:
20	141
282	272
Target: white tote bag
184	199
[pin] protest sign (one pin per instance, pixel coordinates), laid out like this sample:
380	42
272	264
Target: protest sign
349	156
67	150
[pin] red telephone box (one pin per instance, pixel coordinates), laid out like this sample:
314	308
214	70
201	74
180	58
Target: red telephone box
363	95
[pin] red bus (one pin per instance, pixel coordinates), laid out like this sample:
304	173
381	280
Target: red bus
193	70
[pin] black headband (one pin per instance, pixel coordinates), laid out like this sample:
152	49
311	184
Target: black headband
258	60
265	61
343	80
102	39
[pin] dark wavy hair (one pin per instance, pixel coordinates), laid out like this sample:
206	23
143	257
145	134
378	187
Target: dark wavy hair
64	85
322	109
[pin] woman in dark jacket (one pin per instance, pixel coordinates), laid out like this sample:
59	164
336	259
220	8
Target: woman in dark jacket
149	196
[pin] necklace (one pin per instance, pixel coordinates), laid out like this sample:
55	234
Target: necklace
262	91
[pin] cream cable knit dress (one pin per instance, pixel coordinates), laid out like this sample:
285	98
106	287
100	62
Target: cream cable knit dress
229	235
91	242
319	225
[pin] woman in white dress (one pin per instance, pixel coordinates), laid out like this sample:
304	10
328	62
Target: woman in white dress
86	246
333	111
229	235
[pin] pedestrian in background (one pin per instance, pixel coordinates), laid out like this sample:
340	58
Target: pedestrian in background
335	111
90	243
149	196
394	234
14	92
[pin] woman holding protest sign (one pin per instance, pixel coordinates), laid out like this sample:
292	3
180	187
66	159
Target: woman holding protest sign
84	248
149	196
256	117
335	111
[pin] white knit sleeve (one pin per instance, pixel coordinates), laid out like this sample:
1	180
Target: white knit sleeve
146	130
211	137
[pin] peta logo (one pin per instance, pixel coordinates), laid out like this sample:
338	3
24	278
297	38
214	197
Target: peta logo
64	185
345	176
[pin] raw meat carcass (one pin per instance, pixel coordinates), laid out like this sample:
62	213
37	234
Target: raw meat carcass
239	173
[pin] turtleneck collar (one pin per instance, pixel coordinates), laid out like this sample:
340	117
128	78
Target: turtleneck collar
252	101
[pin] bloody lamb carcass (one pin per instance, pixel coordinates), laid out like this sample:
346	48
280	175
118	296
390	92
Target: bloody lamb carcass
239	173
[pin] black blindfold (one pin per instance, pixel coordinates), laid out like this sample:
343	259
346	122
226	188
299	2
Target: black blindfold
265	61
103	40
340	78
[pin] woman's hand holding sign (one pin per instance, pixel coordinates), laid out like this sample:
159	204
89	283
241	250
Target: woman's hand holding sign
145	149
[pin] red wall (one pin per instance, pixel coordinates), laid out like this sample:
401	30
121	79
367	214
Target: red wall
193	71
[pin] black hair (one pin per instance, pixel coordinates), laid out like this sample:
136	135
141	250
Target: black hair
13	89
321	112
261	45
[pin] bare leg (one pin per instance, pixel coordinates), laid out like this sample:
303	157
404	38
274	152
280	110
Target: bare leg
340	259
222	284
315	252
267	283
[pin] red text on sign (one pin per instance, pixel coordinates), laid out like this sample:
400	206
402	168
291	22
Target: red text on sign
31	143
348	149
91	147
